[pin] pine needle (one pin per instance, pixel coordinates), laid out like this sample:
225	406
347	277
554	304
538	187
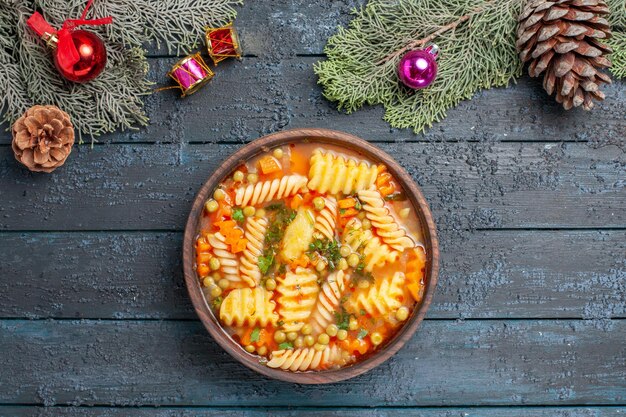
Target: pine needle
477	51
115	99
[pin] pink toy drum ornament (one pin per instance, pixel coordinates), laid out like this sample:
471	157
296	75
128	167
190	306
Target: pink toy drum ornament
418	69
191	73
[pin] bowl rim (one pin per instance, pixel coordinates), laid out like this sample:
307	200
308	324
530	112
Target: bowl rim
354	144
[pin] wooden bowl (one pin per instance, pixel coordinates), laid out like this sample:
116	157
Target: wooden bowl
322	136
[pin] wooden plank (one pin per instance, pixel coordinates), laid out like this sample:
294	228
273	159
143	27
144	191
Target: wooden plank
257	96
469	185
448	363
30	411
492	274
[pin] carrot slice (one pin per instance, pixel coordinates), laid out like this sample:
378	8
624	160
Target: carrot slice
269	165
296	202
351	212
239	245
346	203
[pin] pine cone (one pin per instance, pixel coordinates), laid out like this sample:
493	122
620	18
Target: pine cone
43	138
562	39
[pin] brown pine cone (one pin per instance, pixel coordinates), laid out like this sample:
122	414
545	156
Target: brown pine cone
43	138
561	39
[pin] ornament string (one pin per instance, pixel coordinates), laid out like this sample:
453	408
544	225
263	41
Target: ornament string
67	54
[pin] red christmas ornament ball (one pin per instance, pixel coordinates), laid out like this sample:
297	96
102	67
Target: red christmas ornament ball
93	57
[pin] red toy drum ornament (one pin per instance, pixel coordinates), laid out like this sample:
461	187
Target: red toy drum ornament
418	69
223	43
79	55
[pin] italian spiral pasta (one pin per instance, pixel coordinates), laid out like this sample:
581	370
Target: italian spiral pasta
328	300
326	220
332	173
381	299
249	306
386	225
310	257
307	359
255	235
229	265
297	294
265	191
374	251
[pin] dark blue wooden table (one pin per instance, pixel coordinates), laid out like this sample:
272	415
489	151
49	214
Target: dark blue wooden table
529	199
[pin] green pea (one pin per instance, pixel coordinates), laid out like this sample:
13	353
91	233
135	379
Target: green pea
319	203
376	338
366	224
353	324
278	153
211	206
309	340
320	266
215	291
299	342
319	347
353	260
238	176
306	329
342	334
342	265
219	194
291	336
402	313
345	251
260	213
223	283
363	283
262	350
332	330
249	211
270	284
323	339
250	348
253	178
214	264
208	281
279	336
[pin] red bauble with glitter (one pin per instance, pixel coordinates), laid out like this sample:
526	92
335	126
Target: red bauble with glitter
79	55
92	57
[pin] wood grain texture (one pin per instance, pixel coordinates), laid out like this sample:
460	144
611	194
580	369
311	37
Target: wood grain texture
31	411
447	363
468	185
255	97
484	274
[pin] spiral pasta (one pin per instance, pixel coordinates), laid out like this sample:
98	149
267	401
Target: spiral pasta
276	189
332	173
326	220
249	266
229	265
251	306
375	252
381	299
386	225
307	359
328	300
297	296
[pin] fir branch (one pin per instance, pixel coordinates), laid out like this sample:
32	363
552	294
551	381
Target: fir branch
617	19
477	50
115	99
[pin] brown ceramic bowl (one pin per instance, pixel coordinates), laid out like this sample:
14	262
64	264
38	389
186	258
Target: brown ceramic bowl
322	136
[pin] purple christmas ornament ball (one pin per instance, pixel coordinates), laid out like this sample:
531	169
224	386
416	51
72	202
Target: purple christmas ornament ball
418	69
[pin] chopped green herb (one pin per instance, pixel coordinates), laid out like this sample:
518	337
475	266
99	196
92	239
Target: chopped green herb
360	274
280	323
328	249
238	214
217	302
397	196
254	336
282	269
342	319
363	312
358	204
285	345
265	263
362	334
342	211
